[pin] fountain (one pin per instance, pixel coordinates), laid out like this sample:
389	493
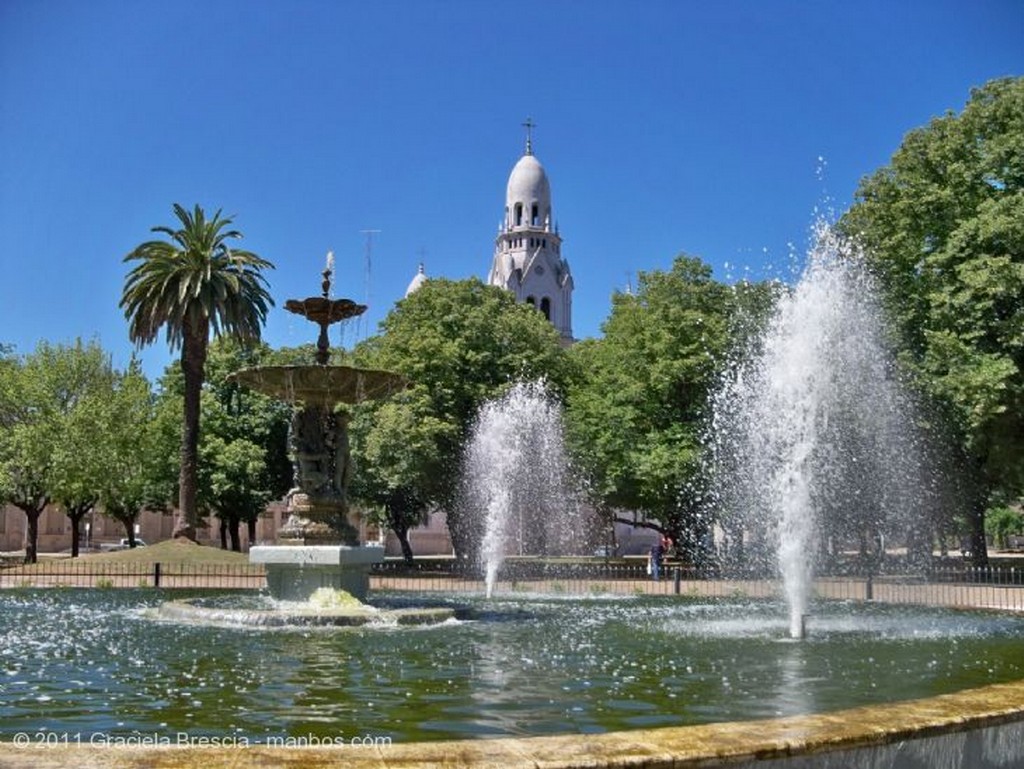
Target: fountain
319	547
515	470
815	425
318	574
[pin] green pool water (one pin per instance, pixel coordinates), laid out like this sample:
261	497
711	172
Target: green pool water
95	662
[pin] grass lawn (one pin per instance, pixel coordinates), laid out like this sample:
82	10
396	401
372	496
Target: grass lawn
172	551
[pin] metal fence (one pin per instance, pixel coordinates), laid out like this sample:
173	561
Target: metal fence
995	588
71	572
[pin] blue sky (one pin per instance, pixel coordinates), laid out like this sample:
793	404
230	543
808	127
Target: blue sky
664	127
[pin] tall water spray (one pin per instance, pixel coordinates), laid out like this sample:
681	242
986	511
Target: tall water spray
815	437
516	473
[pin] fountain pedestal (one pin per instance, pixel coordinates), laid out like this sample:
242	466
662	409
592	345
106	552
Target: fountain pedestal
295	573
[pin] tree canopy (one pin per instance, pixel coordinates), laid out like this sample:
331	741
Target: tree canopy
943	227
636	413
57	431
460	343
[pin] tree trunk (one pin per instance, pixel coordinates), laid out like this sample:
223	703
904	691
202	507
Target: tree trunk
978	501
76	519
402	532
128	521
31	547
979	547
76	513
32	513
234	525
223	533
463	543
193	360
32	506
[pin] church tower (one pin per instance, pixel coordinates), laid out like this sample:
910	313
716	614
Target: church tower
528	250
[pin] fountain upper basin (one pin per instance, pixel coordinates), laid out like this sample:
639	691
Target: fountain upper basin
326	385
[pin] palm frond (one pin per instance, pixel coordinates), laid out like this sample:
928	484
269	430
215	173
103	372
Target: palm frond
195	281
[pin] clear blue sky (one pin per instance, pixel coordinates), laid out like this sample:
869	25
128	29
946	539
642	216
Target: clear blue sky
664	127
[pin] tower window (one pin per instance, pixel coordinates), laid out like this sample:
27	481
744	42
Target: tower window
545	307
534	216
519	214
531	301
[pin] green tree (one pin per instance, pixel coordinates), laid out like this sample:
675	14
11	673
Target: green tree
1003	522
637	413
460	343
191	286
399	444
24	448
139	442
244	444
943	226
79	462
45	396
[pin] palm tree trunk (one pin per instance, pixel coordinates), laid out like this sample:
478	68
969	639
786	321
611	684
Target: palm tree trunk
193	360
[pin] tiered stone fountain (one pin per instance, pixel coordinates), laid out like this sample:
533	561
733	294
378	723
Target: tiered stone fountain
318	547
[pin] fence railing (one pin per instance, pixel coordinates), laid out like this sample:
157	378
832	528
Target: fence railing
70	572
996	588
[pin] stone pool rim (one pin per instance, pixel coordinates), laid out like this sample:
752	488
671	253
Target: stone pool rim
723	743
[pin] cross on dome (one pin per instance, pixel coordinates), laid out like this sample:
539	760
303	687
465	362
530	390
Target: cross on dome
529	125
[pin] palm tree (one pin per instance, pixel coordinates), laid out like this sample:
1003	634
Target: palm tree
192	285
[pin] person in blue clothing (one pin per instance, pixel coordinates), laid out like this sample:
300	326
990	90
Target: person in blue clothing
658	550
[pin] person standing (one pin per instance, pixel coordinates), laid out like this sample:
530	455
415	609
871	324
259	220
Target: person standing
657	554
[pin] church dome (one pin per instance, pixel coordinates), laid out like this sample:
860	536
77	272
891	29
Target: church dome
418	280
528	186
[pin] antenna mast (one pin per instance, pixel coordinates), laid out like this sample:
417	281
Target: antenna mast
369	233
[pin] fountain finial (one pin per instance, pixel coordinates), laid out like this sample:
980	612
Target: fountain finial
328	273
324	311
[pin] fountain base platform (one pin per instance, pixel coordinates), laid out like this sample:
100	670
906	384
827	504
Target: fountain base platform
348	613
295	573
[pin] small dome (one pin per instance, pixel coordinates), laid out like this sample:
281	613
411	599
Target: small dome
528	184
418	280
